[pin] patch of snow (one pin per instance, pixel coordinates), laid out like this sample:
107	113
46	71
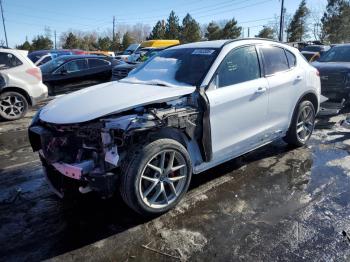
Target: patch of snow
183	241
343	163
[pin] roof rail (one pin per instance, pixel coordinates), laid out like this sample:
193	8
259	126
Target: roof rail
250	38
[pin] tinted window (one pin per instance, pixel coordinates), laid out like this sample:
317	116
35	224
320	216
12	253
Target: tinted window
239	65
292	61
275	59
45	60
97	63
8	60
76	65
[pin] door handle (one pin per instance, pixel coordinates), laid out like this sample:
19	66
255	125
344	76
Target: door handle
261	90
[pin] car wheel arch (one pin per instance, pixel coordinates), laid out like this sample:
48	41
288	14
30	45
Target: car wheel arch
191	145
18	90
309	96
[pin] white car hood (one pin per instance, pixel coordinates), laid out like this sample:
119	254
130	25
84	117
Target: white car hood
104	99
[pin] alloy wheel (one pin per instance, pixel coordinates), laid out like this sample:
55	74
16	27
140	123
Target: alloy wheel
305	123
163	179
12	106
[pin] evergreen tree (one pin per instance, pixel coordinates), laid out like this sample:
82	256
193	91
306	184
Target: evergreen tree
127	40
191	31
116	45
25	46
336	21
41	42
231	30
297	29
158	31
104	43
267	32
71	42
172	28
213	31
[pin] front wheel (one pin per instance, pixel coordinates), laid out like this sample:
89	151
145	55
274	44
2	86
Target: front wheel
155	177
302	124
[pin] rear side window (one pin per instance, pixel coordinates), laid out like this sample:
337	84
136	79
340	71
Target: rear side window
240	65
76	65
93	63
8	60
275	59
292	61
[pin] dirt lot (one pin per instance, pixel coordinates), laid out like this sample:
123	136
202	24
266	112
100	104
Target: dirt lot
277	203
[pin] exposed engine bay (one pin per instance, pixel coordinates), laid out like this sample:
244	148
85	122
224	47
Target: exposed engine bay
92	152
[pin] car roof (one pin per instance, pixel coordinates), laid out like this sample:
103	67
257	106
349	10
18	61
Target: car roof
345	44
73	57
221	43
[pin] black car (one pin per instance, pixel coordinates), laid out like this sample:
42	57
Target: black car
73	72
334	68
135	60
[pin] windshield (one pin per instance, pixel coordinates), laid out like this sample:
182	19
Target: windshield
52	65
175	67
337	54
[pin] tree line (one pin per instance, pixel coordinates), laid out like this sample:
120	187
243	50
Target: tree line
332	27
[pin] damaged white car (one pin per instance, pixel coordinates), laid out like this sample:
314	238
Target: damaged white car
186	110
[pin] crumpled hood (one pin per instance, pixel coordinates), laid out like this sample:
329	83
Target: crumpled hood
108	98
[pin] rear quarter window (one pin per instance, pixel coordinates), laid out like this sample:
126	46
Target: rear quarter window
8	60
275	59
292	60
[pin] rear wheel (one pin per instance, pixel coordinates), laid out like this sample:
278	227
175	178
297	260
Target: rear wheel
156	177
13	105
302	125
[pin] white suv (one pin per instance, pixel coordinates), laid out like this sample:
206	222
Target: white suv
21	84
187	109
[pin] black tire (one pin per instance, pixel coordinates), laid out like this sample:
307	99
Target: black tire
18	110
134	167
292	136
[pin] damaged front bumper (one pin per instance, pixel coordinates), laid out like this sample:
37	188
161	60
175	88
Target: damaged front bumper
82	175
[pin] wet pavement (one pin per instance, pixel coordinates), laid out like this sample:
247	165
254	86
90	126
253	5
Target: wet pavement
276	203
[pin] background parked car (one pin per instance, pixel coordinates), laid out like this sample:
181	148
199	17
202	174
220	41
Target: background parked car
41	57
314	52
69	73
128	51
334	68
21	84
136	59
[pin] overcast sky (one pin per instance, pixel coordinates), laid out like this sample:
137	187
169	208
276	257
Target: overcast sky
29	18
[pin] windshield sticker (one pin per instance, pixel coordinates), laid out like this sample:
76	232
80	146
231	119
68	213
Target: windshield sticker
203	52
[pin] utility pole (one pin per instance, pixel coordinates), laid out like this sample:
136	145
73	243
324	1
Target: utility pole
113	37
248	32
55	39
281	21
3	23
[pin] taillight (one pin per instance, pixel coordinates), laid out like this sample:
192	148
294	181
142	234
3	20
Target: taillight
317	72
35	72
